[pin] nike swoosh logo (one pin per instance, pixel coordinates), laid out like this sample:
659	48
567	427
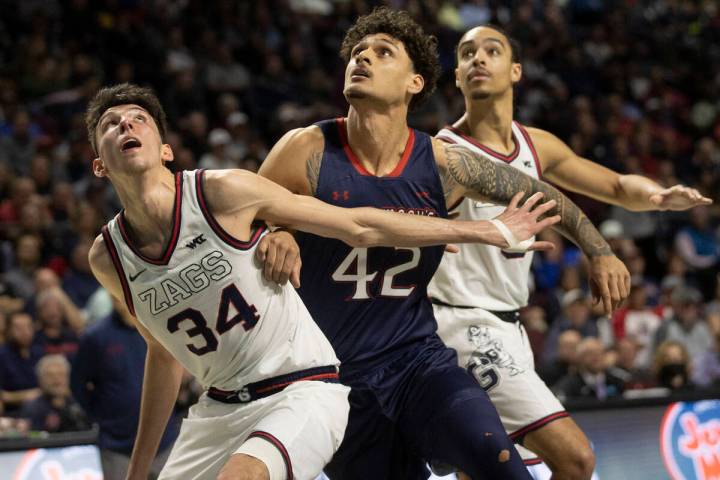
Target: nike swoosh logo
134	277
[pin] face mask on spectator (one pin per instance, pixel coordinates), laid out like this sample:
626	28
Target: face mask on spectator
673	375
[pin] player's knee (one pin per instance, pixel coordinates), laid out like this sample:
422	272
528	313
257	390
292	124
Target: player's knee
578	463
244	467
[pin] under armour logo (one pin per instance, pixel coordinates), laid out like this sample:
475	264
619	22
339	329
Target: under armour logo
195	242
345	195
527	163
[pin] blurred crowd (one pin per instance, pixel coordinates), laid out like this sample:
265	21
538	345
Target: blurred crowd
631	85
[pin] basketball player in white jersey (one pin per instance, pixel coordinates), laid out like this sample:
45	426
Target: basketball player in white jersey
478	292
181	254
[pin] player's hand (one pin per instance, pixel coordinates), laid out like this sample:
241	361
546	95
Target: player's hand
524	222
678	197
280	254
609	281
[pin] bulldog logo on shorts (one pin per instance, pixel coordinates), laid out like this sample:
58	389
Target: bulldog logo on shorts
489	356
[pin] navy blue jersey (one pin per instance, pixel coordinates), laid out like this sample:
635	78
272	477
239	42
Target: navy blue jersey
372	302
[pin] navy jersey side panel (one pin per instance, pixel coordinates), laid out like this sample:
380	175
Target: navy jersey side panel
370	302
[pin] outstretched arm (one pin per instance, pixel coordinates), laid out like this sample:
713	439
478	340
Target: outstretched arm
466	173
238	197
563	167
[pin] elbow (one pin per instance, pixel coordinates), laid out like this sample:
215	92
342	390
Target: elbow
361	238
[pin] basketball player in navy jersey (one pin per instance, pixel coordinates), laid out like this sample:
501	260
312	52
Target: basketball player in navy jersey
479	292
181	255
410	401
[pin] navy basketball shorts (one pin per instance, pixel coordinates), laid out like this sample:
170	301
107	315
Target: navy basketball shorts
422	408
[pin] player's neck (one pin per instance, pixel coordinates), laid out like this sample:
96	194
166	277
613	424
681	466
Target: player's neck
148	199
378	139
489	121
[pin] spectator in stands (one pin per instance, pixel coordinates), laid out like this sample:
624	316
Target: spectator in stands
219	156
54	410
78	282
697	245
60	323
638	322
18	358
686	325
626	365
592	379
566	360
575	316
706	368
671	366
28	251
106	379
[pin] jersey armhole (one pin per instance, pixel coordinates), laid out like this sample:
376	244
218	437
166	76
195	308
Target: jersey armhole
530	144
110	245
255	232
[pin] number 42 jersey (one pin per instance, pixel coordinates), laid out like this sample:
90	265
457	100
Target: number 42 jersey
371	302
207	302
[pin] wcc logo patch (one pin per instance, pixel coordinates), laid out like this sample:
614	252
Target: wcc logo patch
690	440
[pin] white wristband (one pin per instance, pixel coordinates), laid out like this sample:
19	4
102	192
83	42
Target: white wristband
513	245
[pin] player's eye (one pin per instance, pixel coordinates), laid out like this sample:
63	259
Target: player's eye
468	53
385	52
140	117
494	51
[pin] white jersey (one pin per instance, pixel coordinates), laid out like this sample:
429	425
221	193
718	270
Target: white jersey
207	302
482	275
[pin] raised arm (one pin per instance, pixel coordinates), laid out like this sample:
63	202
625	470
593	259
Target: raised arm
466	173
563	167
238	197
161	382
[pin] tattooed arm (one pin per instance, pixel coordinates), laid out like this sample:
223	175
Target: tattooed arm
466	173
294	162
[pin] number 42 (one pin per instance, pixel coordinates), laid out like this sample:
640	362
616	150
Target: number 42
357	258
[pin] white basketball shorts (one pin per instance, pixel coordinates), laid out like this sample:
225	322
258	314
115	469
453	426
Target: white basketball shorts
303	426
498	354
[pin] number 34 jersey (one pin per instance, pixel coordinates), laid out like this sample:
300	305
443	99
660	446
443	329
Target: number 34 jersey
371	302
207	302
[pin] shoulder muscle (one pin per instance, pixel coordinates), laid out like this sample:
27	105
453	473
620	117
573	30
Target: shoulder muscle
294	161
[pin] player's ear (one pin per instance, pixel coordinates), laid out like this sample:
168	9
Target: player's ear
457	78
516	72
166	153
98	168
417	82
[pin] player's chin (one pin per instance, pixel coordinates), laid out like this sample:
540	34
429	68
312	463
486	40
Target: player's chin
354	91
479	94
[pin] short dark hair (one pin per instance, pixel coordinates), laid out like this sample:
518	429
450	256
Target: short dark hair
123	94
421	47
515	49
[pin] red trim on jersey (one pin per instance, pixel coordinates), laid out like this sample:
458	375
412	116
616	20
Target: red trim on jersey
532	148
118	268
170	247
322	376
505	158
278	444
396	172
532	461
517	435
215	226
446	139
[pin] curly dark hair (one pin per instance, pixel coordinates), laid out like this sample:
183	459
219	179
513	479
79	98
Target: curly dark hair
421	47
123	94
